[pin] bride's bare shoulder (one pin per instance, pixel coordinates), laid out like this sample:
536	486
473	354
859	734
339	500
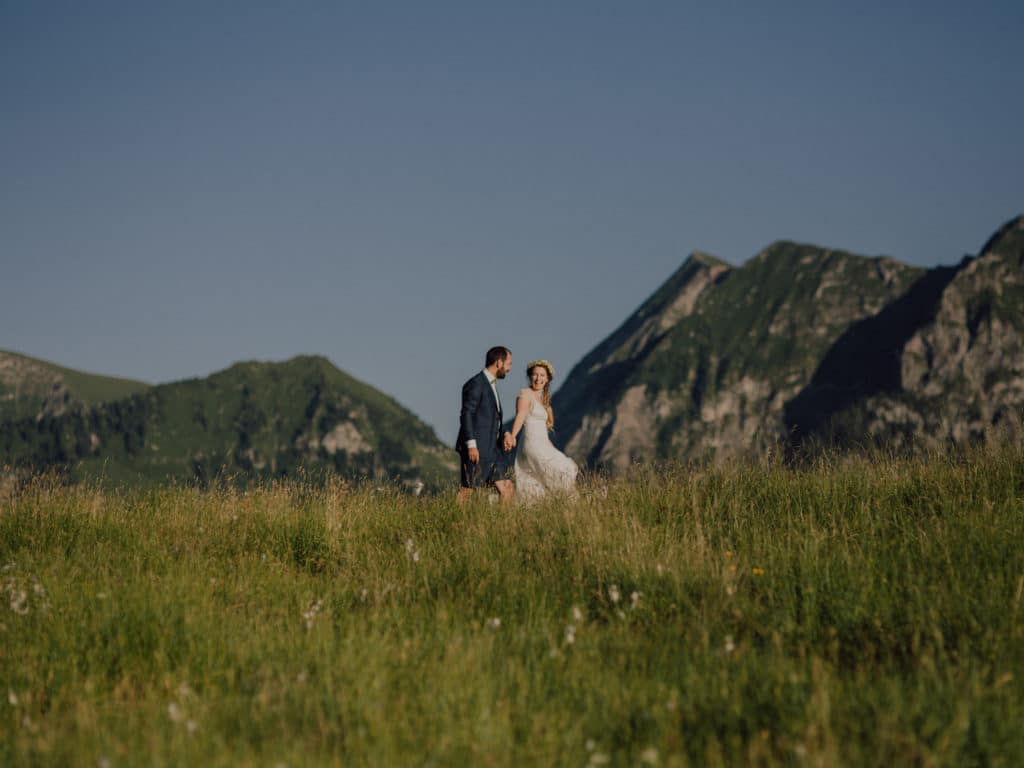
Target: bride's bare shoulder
525	392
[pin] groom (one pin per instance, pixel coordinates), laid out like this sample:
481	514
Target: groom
483	443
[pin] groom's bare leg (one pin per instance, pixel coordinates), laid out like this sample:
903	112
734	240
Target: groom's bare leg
506	490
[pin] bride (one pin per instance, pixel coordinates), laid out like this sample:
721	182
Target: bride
540	467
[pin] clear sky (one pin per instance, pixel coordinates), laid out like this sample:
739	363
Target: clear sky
398	186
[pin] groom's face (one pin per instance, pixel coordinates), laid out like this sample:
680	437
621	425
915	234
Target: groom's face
504	366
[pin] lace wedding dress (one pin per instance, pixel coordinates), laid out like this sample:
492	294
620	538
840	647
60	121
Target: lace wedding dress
541	468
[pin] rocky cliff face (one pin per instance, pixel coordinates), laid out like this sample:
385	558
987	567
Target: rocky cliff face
803	344
962	373
31	388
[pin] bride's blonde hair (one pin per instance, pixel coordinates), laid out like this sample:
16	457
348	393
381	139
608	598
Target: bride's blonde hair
546	397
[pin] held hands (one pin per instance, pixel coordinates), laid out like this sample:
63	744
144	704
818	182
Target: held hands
509	442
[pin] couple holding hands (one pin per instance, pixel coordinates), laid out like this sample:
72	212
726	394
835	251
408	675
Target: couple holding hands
484	446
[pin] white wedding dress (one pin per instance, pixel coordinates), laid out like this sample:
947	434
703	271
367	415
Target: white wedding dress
541	469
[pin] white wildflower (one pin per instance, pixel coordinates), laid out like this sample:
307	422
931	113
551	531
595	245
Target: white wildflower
577	614
19	601
494	623
673	702
649	756
12	698
570	634
613	593
728	646
191	726
310	614
599	758
175	712
634	599
591	745
411	551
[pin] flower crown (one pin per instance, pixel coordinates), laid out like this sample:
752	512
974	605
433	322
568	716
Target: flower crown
543	364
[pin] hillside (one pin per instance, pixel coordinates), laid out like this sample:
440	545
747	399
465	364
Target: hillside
252	420
860	612
803	343
36	388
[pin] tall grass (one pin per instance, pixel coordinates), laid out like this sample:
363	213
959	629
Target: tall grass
858	612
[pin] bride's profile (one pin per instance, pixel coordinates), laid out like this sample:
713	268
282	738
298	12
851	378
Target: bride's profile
540	467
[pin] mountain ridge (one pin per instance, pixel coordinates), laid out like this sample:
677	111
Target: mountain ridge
255	419
788	349
800	345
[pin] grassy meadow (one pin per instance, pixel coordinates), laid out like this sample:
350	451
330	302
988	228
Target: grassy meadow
860	611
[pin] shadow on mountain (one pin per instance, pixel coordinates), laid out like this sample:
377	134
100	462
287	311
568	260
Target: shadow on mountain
864	361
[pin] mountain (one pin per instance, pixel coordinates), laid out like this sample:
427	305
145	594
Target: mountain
253	420
35	388
804	344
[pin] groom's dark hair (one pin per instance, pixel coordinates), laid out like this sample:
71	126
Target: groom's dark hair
494	354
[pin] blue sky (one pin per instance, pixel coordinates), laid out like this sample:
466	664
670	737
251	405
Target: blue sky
398	186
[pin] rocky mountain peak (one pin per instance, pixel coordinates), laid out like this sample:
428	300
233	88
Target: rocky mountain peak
1008	241
804	343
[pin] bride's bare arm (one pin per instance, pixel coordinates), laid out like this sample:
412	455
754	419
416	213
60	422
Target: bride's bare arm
523	405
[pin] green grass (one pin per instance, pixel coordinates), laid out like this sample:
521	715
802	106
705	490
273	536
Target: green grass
862	612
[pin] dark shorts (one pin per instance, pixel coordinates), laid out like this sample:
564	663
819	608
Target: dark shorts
490	469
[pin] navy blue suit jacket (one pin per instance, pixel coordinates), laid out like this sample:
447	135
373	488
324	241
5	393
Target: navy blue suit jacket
480	419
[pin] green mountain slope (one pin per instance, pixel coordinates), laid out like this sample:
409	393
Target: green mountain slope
33	388
253	420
